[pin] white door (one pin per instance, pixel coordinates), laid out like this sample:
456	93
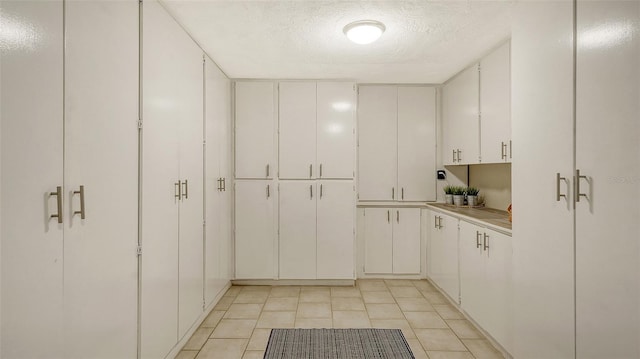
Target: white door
336	111
255	130
188	80
297	220
406	240
32	165
160	182
217	208
417	143
377	151
433	244
497	317
495	106
461	123
254	229
378	241
335	230
472	271
297	123
543	248
101	179
608	155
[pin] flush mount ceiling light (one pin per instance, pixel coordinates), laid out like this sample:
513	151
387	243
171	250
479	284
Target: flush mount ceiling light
364	32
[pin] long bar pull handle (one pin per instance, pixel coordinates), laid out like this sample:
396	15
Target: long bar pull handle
268	191
81	211
435	222
58	194
393	193
186	190
398	216
310	171
486	242
310	191
219	184
321	170
478	239
388	217
510	149
558	180
439	222
459	152
402	193
320	191
503	150
267	170
224	184
578	178
454	155
177	190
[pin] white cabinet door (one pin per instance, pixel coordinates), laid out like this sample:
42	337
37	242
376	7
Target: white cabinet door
434	244
377	133
460	118
255	130
406	240
336	109
32	165
297	219
449	282
160	169
378	237
254	229
495	105
217	159
608	155
472	271
101	174
297	124
543	228
189	71
335	230
416	143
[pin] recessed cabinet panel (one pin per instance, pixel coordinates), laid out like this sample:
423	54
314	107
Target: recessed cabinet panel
336	109
254	229
406	241
255	130
297	218
297	137
461	127
378	246
416	143
335	240
377	151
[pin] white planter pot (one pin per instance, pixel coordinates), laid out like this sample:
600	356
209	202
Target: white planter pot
472	200
448	198
458	199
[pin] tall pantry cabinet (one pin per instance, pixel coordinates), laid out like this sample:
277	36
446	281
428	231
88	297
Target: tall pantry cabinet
575	218
68	247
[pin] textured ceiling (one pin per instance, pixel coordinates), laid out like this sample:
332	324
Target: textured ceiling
425	41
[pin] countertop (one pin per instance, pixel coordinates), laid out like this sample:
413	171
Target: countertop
483	216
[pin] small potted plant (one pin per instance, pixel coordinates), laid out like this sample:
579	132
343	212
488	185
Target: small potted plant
472	196
448	194
458	196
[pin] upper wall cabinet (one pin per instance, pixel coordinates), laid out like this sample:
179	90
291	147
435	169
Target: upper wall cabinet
495	106
396	157
255	130
316	125
461	128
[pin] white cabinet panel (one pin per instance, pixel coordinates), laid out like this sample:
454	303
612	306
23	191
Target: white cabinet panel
297	218
443	253
32	167
416	143
297	123
378	246
499	287
218	254
543	227
101	140
254	229
461	127
336	108
254	130
608	155
472	271
377	133
406	241
335	230
495	106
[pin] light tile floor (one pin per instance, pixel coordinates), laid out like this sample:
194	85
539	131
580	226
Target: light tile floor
240	324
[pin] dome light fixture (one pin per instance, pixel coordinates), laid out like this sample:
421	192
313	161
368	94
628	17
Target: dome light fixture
364	32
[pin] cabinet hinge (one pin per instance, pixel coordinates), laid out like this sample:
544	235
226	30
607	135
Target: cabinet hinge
139	123
139	250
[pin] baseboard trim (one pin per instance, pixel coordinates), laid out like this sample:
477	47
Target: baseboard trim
300	282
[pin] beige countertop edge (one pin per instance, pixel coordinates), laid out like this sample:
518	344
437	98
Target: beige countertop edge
502	228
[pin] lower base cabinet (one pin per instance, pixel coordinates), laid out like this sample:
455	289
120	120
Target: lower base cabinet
442	253
392	240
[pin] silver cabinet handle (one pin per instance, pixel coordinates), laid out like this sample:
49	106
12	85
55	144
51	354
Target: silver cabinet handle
177	190
454	155
388	217
393	193
310	191
224	184
459	152
267	170
503	150
558	194
310	171
486	242
268	191
478	239
510	149
398	216
577	180
320	191
321	170
186	190
439	222
219	184
435	222
58	194
81	211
